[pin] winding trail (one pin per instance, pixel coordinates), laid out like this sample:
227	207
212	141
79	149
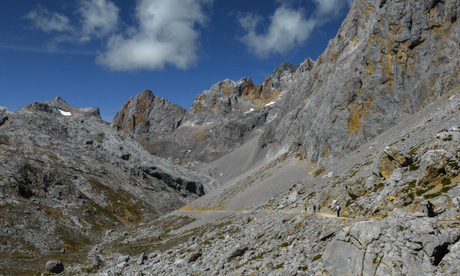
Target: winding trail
208	216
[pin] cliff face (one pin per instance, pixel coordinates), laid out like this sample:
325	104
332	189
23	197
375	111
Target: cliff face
229	98
388	60
219	120
147	113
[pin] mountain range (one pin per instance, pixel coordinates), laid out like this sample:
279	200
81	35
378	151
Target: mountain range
232	185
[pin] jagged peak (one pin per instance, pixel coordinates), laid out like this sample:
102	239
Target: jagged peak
59	107
307	65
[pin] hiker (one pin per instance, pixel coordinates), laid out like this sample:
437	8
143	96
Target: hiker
305	207
338	210
314	208
319	208
429	208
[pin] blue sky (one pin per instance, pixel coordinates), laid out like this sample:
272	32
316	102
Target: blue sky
98	53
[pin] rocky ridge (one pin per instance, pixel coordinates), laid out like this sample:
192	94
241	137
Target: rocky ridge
388	61
67	178
147	113
218	122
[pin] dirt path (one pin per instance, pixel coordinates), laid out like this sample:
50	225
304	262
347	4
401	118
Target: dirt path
208	216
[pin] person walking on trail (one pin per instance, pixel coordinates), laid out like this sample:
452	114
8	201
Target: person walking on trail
319	208
305	207
338	210
429	208
314	208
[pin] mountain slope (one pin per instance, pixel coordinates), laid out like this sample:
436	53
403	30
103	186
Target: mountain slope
67	178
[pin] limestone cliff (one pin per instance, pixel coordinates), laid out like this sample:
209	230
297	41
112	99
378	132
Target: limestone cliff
388	60
219	120
147	113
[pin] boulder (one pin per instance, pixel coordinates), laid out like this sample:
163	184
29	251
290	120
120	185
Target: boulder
194	257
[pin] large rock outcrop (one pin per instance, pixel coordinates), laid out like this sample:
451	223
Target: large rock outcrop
389	60
147	113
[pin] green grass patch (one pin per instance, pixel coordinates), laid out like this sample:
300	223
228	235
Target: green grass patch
317	257
378	187
284	244
413	151
434	195
446	181
303	268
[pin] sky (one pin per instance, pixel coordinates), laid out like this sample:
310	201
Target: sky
99	53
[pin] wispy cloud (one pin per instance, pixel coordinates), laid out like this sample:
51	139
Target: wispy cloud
166	35
44	51
48	21
331	7
99	18
289	27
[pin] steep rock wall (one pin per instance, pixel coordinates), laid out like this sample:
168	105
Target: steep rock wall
388	60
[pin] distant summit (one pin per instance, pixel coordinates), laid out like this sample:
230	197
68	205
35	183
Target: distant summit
59	107
218	121
147	113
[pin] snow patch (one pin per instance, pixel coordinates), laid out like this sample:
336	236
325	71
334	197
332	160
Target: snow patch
65	113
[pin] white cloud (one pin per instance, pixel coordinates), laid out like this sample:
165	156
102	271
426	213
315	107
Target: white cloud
166	35
331	7
48	21
288	27
99	18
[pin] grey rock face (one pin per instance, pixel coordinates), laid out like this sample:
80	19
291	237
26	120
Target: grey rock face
219	120
389	60
147	114
59	107
70	180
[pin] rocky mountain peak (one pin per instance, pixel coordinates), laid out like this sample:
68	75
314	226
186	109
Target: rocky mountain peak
59	107
147	113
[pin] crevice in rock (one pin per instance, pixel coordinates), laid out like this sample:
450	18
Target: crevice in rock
415	43
434	4
439	253
25	192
